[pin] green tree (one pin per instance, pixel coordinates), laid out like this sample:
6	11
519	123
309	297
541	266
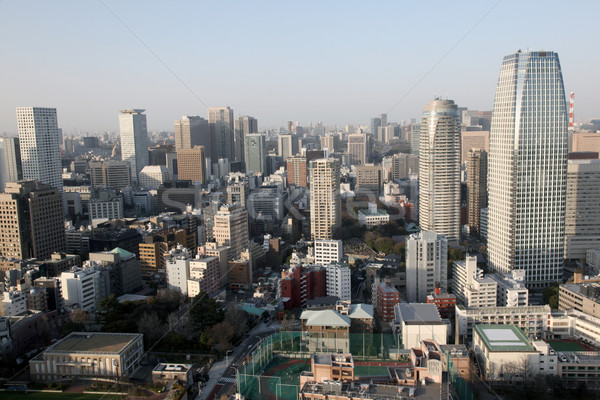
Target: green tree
205	312
384	245
399	248
456	255
551	296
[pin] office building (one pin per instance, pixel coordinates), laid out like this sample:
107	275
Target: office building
106	206
426	265
192	131
134	140
328	251
82	288
369	179
582	214
477	140
204	276
177	268
296	171
11	169
91	355
255	149
359	148
31	220
325	200
415	139
328	142
231	228
39	141
583	297
112	174
439	170
287	146
528	168
125	273
399	166
476	187
191	164
222	134
512	291
372	216
153	176
585	141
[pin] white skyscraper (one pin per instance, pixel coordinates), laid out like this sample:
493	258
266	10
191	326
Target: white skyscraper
325	200
439	170
527	168
426	265
40	145
134	140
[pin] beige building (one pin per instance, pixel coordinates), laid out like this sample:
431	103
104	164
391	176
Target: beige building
585	141
582	213
191	131
325	200
191	164
31	220
400	166
222	254
296	171
91	355
584	297
476	186
474	140
369	178
231	228
359	148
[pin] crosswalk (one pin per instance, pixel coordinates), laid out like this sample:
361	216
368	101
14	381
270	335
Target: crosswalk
227	379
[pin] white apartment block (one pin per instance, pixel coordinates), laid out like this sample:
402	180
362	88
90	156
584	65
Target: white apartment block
338	281
512	291
177	266
470	287
426	265
328	251
14	302
204	276
531	319
81	288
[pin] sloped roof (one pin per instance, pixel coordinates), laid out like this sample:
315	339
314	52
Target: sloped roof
124	254
361	311
325	318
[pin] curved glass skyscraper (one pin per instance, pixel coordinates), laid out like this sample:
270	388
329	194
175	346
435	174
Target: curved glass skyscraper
527	168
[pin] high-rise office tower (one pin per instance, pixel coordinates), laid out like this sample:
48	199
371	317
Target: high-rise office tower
255	149
477	170
191	131
134	140
231	228
426	265
582	214
112	174
222	134
328	142
191	164
439	170
287	146
244	125
325	199
415	138
11	169
31	220
359	148
527	168
296	171
40	145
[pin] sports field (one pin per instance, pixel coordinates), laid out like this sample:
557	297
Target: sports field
567	345
55	396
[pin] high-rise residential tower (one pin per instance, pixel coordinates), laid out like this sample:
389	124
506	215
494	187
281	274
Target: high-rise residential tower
39	139
11	169
296	171
231	228
134	140
191	131
439	170
222	134
477	169
325	200
426	265
528	168
255	149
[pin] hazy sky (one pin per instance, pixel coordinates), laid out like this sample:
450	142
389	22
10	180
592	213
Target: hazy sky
339	62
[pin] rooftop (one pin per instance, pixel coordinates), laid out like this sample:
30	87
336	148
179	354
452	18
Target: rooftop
361	311
94	342
505	338
419	313
325	318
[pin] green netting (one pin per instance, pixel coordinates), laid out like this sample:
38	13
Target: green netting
459	385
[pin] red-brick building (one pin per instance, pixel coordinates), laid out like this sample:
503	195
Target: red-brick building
387	297
445	303
302	283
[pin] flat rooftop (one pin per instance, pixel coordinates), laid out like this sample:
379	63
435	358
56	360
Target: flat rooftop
419	314
505	338
94	342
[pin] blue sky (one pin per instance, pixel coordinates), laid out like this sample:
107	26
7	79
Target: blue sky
336	62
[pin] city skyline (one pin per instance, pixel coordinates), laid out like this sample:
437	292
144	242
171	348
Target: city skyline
298	64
